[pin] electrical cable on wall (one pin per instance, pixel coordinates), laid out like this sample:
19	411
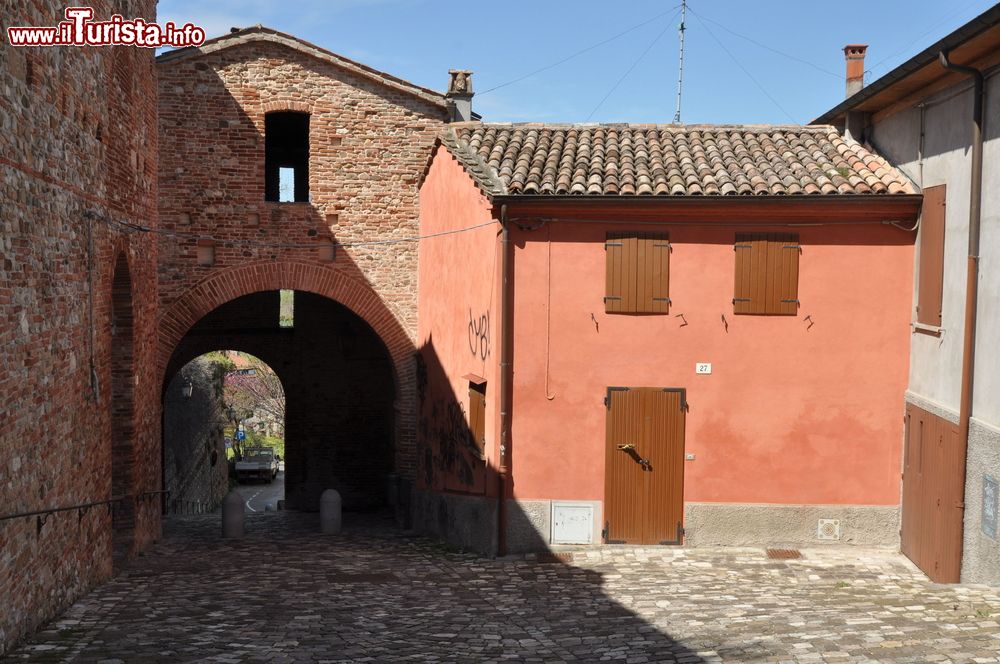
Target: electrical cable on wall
138	228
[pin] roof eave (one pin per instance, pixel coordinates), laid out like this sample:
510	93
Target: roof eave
929	55
762	210
695	198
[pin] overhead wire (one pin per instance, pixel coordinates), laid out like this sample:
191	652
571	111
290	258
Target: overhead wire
634	64
580	52
138	228
766	47
934	28
744	69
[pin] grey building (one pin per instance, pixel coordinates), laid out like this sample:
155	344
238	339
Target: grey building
922	117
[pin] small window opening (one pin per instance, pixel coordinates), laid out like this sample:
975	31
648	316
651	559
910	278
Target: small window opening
286	185
286	308
286	157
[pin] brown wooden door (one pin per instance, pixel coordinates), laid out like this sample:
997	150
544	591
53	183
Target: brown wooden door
933	505
644	476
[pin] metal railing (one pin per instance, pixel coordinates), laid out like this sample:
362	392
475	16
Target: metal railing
42	515
187	507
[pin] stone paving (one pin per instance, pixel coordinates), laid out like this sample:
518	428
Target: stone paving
287	594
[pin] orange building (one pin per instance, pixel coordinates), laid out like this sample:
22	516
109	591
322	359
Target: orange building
661	334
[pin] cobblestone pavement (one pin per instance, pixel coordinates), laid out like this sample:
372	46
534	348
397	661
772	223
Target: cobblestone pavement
285	594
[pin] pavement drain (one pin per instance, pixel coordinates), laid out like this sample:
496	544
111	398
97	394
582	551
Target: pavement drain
551	558
783	554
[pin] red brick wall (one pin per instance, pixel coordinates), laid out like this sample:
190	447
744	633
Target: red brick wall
77	155
369	143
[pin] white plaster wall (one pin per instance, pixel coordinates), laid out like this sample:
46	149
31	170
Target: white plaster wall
936	361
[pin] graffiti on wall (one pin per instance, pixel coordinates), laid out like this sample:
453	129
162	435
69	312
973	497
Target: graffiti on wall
479	335
447	446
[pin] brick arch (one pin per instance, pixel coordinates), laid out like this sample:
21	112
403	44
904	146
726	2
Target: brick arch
356	296
286	105
232	283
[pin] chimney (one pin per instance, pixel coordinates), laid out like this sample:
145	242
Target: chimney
854	54
459	95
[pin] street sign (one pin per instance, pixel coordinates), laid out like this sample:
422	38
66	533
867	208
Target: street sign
241	435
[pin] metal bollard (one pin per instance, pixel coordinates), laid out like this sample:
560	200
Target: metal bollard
233	516
330	512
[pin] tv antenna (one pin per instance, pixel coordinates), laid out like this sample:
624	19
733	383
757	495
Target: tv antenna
680	63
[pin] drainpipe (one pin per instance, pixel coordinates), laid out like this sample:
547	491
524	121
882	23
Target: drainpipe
972	268
506	379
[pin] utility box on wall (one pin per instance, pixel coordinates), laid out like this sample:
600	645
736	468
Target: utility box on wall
572	523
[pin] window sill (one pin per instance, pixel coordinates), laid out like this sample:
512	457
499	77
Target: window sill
924	328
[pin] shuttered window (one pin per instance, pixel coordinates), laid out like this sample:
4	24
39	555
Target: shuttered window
638	273
477	415
930	277
767	274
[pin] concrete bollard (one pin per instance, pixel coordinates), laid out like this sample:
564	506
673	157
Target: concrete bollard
330	512
233	516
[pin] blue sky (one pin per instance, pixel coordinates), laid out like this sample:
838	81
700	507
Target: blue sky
727	78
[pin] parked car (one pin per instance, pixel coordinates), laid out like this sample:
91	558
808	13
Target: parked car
259	463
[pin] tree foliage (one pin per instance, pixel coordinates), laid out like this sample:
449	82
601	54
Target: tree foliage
254	396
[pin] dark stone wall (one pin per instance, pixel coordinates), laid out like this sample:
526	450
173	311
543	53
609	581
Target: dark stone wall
194	453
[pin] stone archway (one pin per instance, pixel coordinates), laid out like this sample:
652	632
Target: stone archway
360	299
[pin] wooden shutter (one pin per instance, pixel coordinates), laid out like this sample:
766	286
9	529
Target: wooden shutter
477	415
637	273
767	274
930	284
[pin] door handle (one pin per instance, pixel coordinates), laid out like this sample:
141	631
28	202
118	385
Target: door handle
626	447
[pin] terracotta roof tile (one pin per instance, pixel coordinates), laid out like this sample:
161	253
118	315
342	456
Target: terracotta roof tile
668	160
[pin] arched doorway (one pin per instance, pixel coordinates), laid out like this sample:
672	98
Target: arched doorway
340	389
122	410
205	403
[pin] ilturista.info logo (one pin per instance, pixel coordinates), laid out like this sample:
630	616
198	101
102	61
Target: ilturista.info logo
79	29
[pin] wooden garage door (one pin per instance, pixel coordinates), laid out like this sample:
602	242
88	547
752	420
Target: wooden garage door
644	481
933	504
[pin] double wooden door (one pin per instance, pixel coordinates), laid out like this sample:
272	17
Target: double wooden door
644	476
933	503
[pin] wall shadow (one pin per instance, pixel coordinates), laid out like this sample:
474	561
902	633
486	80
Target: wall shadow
548	594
